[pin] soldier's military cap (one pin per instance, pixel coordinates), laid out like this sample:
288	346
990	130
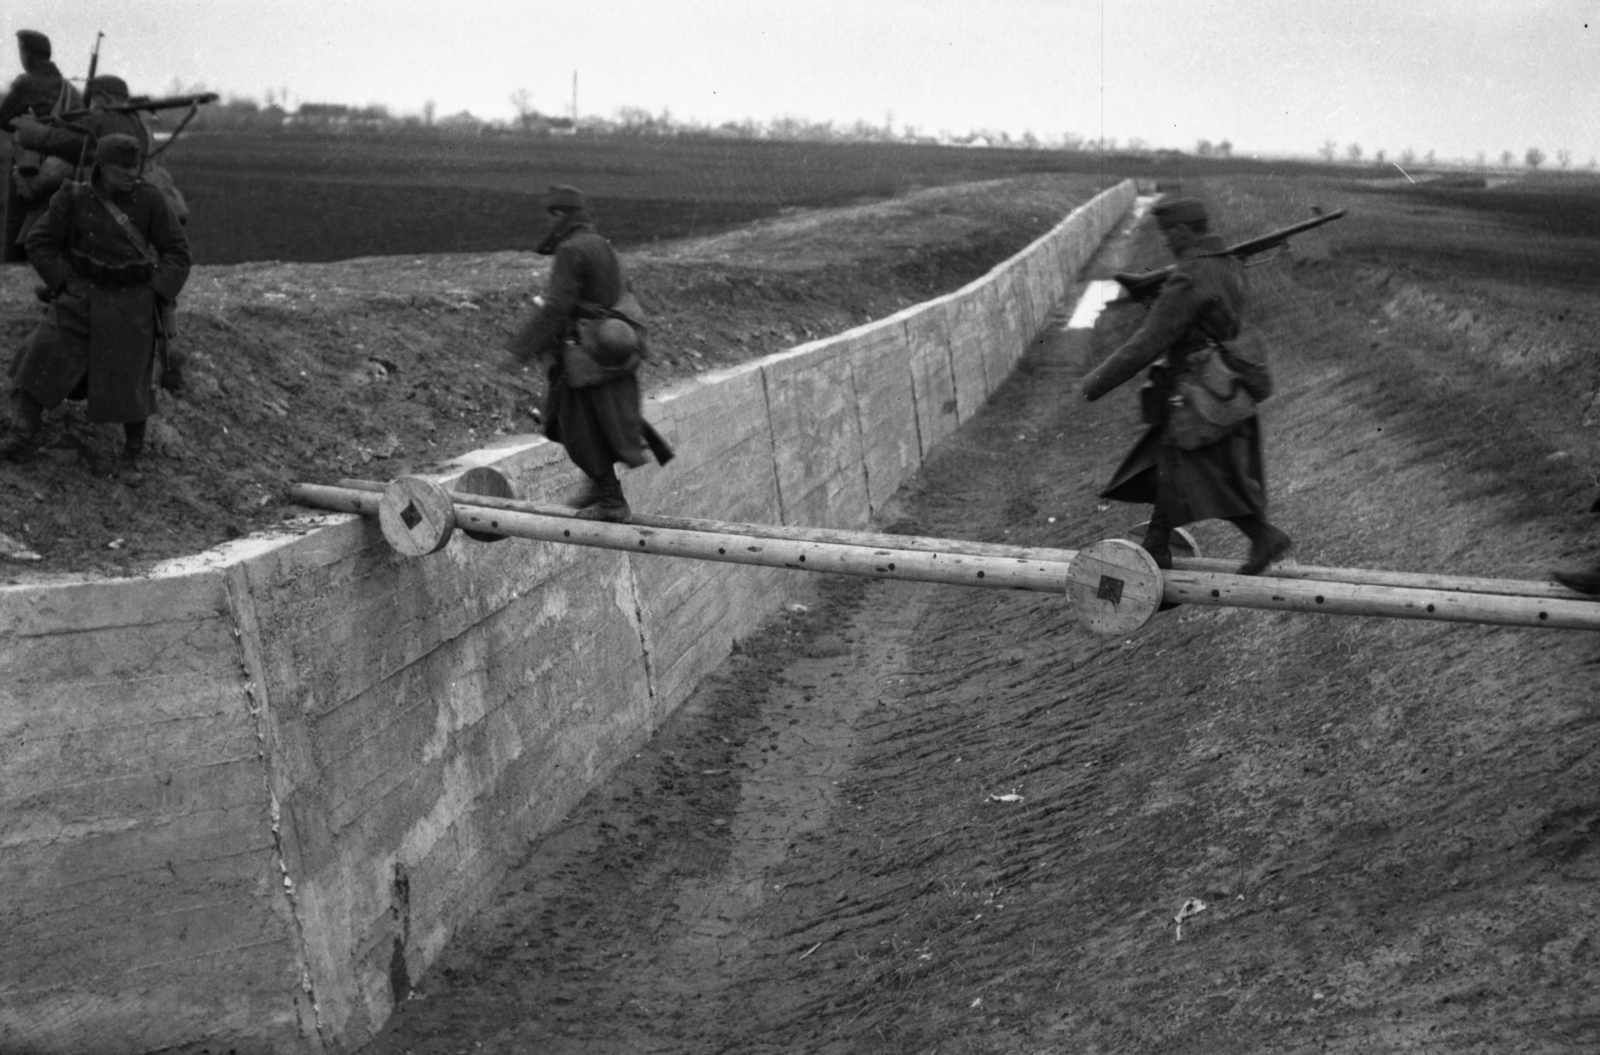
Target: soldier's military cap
564	197
106	84
118	149
1174	211
32	42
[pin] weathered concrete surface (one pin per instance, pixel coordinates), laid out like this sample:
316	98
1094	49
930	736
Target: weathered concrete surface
144	895
244	800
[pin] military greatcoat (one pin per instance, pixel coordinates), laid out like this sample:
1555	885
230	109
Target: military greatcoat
599	424
107	338
1202	299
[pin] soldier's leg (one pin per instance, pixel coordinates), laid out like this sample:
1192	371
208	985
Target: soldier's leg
1158	537
1267	543
610	503
22	440
132	451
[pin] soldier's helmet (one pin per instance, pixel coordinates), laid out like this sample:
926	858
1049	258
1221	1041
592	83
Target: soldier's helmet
118	149
564	198
108	85
615	342
34	43
1172	212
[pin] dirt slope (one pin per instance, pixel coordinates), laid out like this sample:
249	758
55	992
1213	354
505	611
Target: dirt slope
383	365
1394	827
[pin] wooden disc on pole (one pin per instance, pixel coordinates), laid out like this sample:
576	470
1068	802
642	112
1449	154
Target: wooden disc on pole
1115	586
417	516
482	480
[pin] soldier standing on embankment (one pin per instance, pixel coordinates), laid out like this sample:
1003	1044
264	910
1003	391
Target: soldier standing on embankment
112	257
37	90
1190	476
589	333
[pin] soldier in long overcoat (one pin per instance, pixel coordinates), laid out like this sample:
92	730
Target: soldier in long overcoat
1201	303
37	90
111	256
593	405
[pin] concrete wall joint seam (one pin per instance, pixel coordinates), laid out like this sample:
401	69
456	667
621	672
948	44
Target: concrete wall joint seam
246	632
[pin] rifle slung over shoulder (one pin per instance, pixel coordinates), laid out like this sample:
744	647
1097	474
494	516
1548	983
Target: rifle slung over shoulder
1147	286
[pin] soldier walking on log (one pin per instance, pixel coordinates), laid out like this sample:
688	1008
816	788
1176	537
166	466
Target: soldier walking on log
38	91
590	334
1188	468
112	257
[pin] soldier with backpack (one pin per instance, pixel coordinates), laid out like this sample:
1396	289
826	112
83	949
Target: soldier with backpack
589	333
1201	457
113	259
38	91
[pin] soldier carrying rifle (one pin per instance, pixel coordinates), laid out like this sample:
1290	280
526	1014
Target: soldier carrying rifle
1201	457
113	259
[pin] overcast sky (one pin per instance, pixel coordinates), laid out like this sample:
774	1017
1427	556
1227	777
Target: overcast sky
1270	76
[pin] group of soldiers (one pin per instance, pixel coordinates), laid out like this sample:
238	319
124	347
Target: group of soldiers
109	249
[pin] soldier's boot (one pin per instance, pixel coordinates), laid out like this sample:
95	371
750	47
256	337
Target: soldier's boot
1158	543
1267	543
611	505
21	441
129	469
1584	581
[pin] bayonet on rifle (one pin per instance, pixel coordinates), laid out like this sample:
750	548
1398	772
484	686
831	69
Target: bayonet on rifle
88	86
1147	285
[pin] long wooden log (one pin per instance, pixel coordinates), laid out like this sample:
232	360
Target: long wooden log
806	534
1373	577
960	569
1114	590
1367	576
1394	602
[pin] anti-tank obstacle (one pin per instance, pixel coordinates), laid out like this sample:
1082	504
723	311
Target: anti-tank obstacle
1114	585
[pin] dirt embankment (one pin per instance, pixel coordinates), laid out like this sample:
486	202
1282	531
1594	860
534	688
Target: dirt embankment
908	818
385	365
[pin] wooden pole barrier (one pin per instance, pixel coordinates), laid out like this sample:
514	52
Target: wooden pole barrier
961	569
1114	584
465	492
1393	602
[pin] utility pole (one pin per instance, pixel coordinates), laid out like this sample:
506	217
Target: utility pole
574	98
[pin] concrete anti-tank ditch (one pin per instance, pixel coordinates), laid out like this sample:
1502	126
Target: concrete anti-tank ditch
245	798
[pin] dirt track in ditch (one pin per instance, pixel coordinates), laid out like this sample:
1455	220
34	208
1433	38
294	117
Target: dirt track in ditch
1394	827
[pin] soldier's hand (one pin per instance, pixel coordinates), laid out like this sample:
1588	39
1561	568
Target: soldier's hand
76	287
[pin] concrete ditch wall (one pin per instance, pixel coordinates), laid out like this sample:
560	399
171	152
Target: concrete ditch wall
246	799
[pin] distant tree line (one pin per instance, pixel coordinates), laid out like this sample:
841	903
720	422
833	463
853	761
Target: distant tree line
1533	157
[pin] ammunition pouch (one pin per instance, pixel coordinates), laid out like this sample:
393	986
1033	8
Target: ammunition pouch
116	276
